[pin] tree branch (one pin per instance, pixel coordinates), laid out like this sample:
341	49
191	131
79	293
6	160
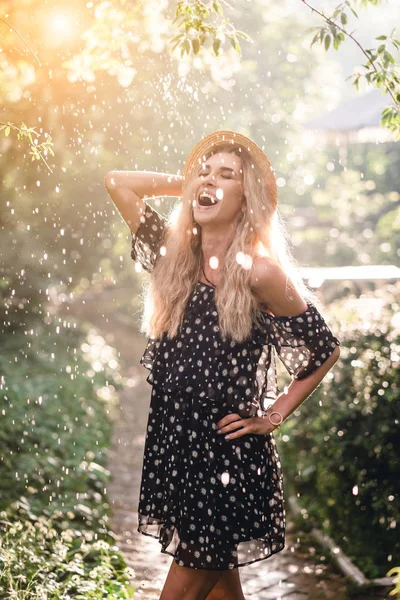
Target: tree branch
25	42
328	20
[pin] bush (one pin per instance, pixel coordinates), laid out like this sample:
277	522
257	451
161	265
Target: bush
56	397
40	560
340	451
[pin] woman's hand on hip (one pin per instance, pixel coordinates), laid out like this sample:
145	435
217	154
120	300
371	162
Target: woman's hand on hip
233	426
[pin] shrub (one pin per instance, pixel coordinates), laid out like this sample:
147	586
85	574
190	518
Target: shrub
340	450
42	560
57	393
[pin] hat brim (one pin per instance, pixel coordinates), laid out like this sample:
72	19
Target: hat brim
212	140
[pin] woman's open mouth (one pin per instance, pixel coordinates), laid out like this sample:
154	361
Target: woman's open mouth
207	200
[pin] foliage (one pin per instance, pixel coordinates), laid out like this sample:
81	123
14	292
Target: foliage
356	211
60	230
38	151
192	16
113	98
114	44
341	451
61	233
111	40
45	557
44	418
56	398
380	69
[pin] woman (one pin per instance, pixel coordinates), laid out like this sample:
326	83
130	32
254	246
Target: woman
224	297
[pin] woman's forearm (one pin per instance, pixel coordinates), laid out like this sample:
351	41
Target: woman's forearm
299	389
146	183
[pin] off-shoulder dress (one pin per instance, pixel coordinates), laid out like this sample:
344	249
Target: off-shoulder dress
214	503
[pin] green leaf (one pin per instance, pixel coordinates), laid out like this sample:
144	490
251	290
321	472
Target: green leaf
244	35
176	37
235	43
327	42
196	45
353	11
217	7
7	131
216	46
381	37
343	18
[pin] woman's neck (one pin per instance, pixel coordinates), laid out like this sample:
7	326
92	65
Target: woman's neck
215	243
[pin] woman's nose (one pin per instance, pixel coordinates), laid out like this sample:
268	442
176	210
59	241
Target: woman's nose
210	177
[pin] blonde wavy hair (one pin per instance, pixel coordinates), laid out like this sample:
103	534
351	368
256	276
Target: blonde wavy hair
260	231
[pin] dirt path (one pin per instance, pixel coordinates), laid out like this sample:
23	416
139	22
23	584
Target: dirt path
296	573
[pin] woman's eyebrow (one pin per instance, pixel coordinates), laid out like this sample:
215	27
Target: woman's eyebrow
206	167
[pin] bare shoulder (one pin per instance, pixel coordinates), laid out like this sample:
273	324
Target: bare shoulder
264	269
274	290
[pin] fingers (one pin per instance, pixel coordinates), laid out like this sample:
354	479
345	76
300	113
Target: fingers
233	426
228	419
238	433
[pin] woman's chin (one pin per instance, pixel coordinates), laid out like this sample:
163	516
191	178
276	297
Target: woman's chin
205	214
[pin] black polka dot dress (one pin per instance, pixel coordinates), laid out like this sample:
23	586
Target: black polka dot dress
214	503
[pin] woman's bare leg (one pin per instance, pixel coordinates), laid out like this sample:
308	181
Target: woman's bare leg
228	587
184	583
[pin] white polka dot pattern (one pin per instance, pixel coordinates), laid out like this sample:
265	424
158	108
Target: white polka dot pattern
147	240
215	503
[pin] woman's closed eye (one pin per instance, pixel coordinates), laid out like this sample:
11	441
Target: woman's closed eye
224	176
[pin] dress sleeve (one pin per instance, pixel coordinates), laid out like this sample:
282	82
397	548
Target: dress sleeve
147	240
303	342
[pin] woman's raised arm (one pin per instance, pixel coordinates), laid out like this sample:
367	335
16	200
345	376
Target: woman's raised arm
128	189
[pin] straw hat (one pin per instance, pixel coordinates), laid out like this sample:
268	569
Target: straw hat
204	146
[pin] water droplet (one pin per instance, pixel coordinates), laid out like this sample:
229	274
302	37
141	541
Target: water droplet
214	262
225	478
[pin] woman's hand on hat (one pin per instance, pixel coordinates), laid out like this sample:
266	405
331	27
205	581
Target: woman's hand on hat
233	426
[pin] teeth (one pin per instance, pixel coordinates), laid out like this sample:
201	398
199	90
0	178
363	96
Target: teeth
209	197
